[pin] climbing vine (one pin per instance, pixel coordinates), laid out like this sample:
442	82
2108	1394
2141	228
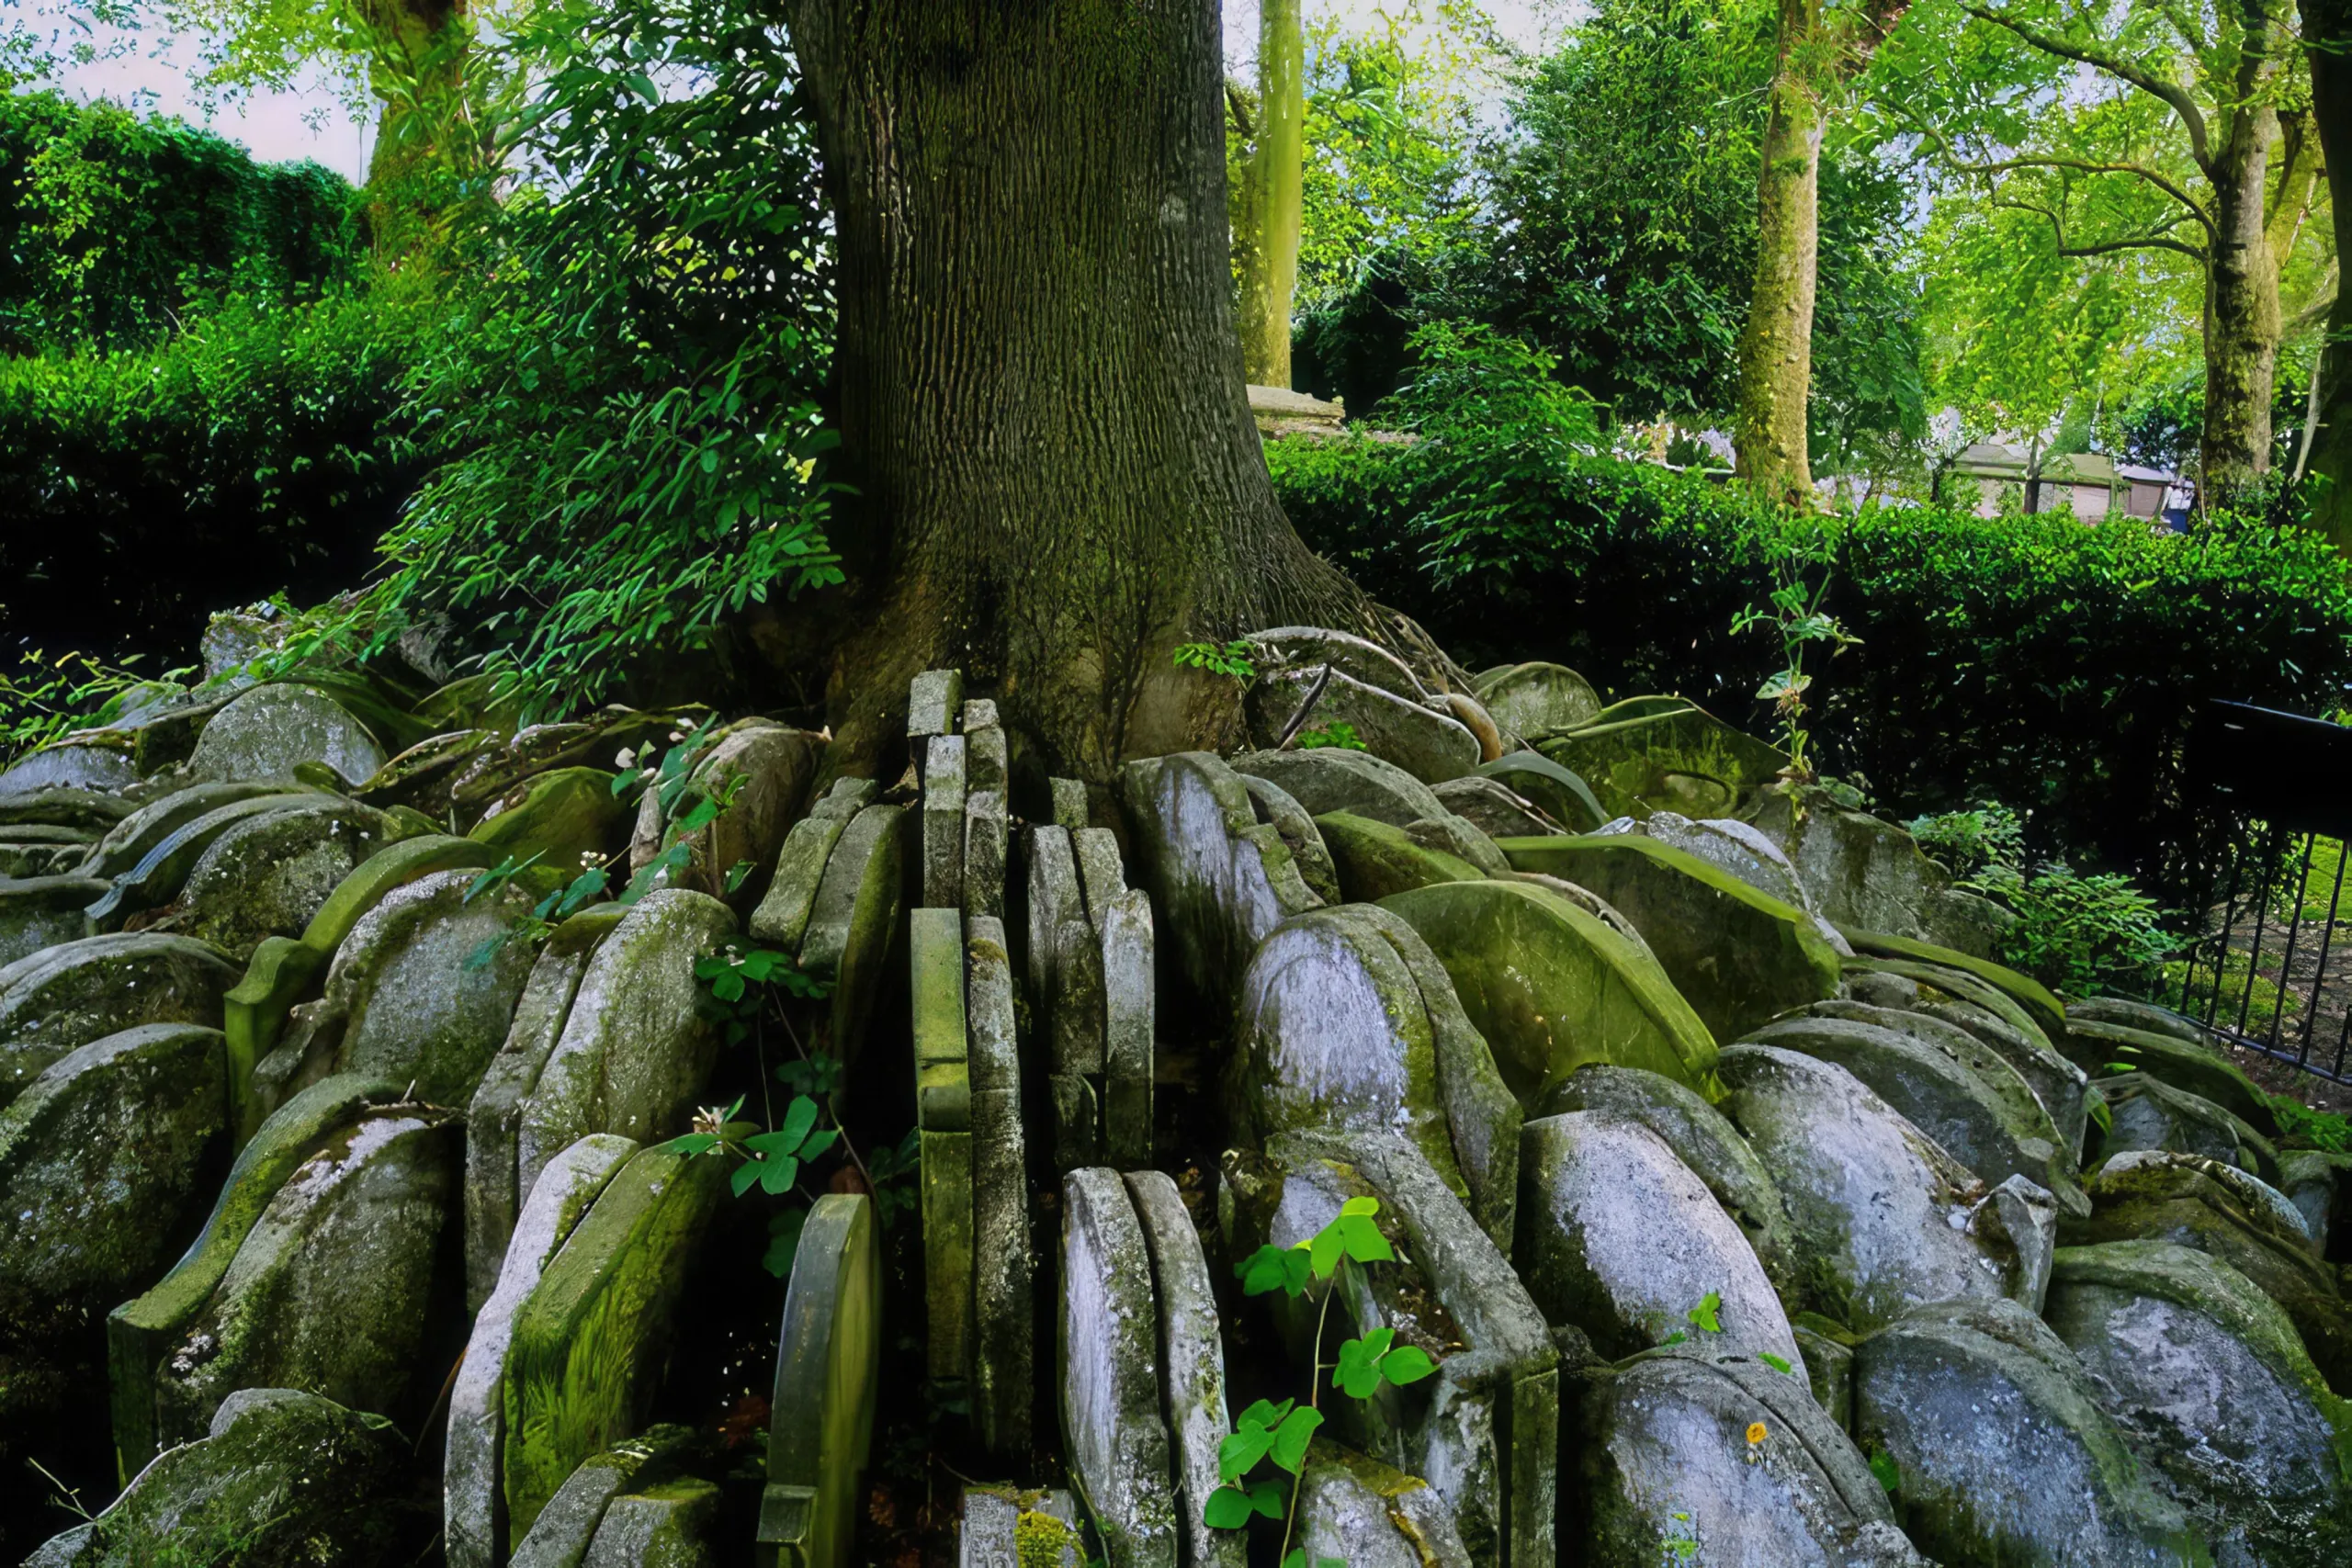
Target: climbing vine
1280	1434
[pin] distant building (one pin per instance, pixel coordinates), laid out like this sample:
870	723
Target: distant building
2090	484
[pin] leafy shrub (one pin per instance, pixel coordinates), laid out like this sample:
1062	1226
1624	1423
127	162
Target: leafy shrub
114	228
143	489
2032	660
1967	841
2084	935
628	394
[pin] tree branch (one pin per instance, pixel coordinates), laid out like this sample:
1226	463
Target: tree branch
2171	94
2085	166
2106	247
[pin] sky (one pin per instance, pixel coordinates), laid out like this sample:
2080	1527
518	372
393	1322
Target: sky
316	123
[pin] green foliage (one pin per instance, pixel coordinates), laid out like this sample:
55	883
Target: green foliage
1967	841
2301	1127
1471	378
2082	935
1339	734
1281	1434
1796	613
115	230
1234	660
1883	1469
2035	660
142	489
43	698
628	393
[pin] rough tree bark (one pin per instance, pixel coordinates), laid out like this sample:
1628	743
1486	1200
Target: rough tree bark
1038	379
2242	321
1276	198
1816	53
2327	40
425	137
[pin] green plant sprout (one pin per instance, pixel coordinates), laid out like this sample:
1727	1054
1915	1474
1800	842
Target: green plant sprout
1797	615
1339	734
1281	1433
1233	661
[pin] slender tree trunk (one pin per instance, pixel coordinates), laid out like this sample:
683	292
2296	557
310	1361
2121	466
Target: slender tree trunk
2298	172
423	148
2327	38
1269	272
1776	342
2242	319
1038	376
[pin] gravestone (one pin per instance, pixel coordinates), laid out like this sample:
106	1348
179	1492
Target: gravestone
267	730
1192	1362
1003	1348
63	998
828	1366
473	1501
1113	1431
589	1344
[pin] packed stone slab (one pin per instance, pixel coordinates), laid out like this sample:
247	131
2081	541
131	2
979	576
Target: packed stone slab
829	1354
1114	1430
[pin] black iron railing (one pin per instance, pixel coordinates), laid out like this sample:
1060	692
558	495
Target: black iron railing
2269	967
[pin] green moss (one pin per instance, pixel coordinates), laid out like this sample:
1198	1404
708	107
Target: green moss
1041	1540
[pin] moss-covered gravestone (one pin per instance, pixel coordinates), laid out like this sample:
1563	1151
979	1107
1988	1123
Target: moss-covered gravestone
1536	698
494	1117
589	1346
283	972
106	1162
1373	860
1003	1343
1665	754
473	1501
1486	1429
943	1116
273	1475
63	998
266	731
636	1047
1552	987
558	817
1115	1429
339	1285
1619	1239
269	875
943	802
1219	879
1738	957
1192	1359
853	918
1692	1456
828	1365
2004	1454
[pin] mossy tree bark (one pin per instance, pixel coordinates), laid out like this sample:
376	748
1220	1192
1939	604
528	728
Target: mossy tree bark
2327	40
1277	198
1038	378
427	139
1818	53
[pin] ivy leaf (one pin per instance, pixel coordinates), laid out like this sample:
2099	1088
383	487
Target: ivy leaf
1228	1508
1357	1371
1291	1439
778	1174
1888	1473
818	1142
1407	1363
1777	1363
693	1144
1267	1498
799	1117
1272	1268
1704	1314
745	1175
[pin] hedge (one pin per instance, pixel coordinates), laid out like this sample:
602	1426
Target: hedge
113	228
2038	661
255	453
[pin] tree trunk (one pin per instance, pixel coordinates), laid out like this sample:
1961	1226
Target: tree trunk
1039	383
1270	272
1776	342
424	139
2327	35
2242	321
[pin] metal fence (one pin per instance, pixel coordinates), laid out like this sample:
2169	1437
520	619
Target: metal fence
2269	967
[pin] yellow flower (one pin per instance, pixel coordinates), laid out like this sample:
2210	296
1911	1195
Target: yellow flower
1756	1432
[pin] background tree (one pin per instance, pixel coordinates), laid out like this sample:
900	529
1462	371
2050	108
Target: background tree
1818	52
415	58
1058	480
1266	237
2327	40
2182	109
